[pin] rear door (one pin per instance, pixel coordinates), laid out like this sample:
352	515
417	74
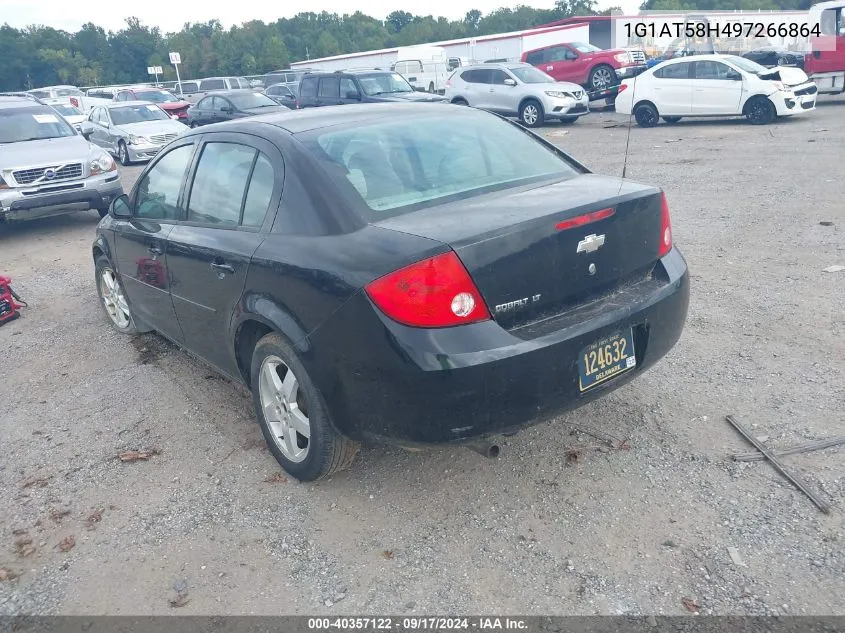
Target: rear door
100	134
670	89
716	88
308	92
141	242
328	92
477	87
235	189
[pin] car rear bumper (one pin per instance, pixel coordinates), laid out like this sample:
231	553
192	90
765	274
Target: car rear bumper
416	386
96	192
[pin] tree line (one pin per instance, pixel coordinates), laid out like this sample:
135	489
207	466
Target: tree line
41	55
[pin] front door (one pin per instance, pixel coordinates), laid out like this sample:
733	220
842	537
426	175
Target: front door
501	97
236	181
565	64
716	88
141	243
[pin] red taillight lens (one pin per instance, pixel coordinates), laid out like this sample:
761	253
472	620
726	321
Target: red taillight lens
622	88
665	227
74	102
587	218
436	292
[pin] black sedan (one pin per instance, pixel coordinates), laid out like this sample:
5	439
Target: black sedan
281	94
227	105
409	272
771	56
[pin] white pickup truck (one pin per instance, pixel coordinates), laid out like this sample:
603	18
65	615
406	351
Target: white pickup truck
69	94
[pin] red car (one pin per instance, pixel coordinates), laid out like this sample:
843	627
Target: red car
592	67
174	106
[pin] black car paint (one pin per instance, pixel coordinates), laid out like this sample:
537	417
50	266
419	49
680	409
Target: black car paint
773	57
304	274
199	114
361	97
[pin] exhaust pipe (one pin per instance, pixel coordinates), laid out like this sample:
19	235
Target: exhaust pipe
488	448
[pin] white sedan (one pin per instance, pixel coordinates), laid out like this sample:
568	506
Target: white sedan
715	86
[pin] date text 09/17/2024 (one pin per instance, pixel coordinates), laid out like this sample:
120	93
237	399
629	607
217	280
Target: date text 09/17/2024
417	624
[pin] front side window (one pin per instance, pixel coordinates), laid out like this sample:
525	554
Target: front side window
158	192
558	54
205	104
498	77
347	86
384	83
251	100
398	166
711	70
218	189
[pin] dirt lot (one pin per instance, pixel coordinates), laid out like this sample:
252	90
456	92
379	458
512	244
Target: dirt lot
559	524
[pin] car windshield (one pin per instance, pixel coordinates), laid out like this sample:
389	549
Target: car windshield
32	124
581	47
402	165
137	114
156	96
384	83
66	110
250	100
746	64
530	75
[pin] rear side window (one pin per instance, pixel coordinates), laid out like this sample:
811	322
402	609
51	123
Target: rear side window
330	87
212	84
396	167
223	192
535	58
308	87
158	193
674	71
481	76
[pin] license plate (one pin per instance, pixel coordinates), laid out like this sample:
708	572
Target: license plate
606	359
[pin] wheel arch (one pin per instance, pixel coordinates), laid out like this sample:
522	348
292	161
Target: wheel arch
642	102
100	247
526	99
751	98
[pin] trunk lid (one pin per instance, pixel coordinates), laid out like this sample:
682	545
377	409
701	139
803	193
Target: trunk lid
527	268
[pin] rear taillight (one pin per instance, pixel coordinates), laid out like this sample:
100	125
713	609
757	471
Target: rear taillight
74	102
665	227
435	292
622	88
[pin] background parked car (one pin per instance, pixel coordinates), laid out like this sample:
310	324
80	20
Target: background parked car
186	88
46	168
290	78
71	114
167	101
281	94
132	130
359	86
518	90
216	84
587	65
715	85
67	94
228	105
771	56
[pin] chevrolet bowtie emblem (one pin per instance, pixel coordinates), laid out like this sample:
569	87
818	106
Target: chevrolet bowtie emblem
590	244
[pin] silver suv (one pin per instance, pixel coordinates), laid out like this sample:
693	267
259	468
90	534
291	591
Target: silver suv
519	90
47	168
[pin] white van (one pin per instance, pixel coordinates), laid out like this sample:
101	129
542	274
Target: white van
425	67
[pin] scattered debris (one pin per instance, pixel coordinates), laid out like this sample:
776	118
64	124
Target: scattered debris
669	543
134	456
800	448
19	531
95	517
612	442
38	482
180	586
67	543
735	557
834	269
779	465
826	223
690	605
7	574
24	547
58	514
673	140
558	133
388	554
574	455
276	478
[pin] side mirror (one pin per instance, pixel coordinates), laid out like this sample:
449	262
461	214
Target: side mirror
86	129
510	82
352	94
119	207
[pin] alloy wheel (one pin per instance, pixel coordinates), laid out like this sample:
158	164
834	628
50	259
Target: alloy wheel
285	408
530	114
601	78
114	300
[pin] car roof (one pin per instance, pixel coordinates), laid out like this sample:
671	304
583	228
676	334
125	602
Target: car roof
120	104
227	93
296	121
14	101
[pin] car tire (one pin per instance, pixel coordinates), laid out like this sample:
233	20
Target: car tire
194	125
113	297
531	113
646	115
672	119
431	88
103	212
568	120
601	77
123	154
460	102
285	397
760	111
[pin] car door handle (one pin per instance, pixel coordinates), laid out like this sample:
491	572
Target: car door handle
154	251
223	268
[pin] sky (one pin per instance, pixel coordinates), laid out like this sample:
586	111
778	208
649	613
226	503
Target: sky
170	15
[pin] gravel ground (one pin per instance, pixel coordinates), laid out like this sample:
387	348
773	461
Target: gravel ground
560	524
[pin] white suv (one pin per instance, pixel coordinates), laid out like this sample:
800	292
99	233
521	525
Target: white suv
519	90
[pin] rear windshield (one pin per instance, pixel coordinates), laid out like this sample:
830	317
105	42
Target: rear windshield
32	124
137	114
399	166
